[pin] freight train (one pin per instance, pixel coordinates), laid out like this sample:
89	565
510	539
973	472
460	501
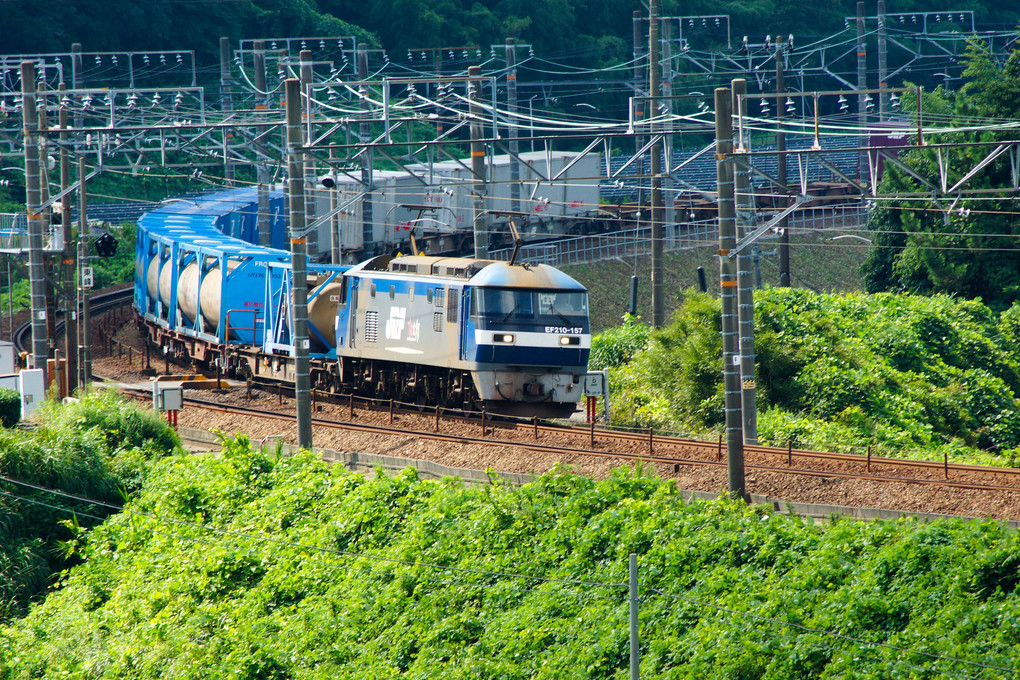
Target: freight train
509	337
558	190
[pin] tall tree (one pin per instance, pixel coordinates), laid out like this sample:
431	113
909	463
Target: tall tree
962	245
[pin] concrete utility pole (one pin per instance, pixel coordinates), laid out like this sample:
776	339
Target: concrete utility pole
86	297
76	78
478	163
728	287
310	175
883	63
69	260
862	84
745	278
365	136
261	168
227	103
658	304
639	104
298	263
334	220
511	108
784	232
33	199
47	224
669	195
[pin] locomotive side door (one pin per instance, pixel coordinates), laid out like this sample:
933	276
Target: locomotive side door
352	313
468	346
343	318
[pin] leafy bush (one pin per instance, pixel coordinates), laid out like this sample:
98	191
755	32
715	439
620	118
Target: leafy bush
252	566
617	345
10	407
96	450
899	373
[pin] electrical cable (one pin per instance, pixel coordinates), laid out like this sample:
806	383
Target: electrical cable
301	546
832	634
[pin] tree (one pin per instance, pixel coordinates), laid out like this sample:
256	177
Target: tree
962	246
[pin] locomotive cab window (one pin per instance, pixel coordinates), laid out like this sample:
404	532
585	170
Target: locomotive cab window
499	307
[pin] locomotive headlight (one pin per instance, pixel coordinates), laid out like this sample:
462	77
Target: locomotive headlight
507	338
569	340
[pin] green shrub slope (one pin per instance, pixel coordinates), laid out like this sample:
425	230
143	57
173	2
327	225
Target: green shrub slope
94	449
246	566
900	373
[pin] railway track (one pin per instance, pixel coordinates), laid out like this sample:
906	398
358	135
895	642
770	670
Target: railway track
674	452
100	303
557	440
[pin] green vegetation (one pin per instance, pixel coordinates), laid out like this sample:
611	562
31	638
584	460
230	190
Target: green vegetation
816	263
900	373
966	250
95	449
10	407
120	268
252	566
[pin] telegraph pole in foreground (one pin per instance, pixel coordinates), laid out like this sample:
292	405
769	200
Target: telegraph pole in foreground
728	286
658	303
68	261
33	199
85	347
298	260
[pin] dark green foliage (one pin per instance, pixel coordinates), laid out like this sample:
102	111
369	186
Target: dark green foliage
926	247
299	570
94	449
616	346
897	372
10	407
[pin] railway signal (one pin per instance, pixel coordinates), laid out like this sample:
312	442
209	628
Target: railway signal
106	245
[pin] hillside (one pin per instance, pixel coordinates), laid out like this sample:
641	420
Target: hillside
252	566
816	263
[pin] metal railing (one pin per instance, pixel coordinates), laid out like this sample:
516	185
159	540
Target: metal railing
14	235
681	236
626	243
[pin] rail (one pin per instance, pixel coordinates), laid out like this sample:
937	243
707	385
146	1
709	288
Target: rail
98	304
435	423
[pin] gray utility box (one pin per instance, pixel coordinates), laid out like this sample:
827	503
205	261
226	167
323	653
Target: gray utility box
167	397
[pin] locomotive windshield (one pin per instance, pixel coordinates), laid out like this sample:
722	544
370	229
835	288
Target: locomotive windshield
500	307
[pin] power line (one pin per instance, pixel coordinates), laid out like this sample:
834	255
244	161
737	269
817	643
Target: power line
834	635
292	544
